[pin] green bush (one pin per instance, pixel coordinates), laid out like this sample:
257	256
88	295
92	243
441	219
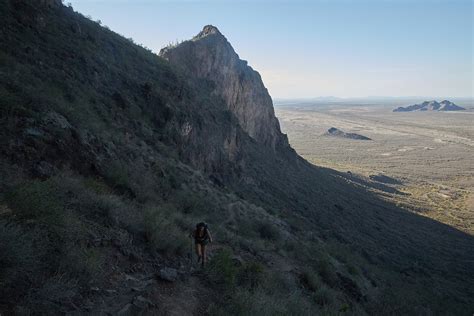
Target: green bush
117	176
326	272
310	280
352	269
21	256
268	231
38	200
46	203
247	227
84	264
251	275
324	296
96	186
193	203
261	303
162	231
222	270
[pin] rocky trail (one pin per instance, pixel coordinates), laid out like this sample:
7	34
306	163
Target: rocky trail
149	287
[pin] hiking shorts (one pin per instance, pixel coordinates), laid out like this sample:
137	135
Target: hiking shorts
201	242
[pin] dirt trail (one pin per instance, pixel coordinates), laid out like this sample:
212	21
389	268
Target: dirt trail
189	295
182	298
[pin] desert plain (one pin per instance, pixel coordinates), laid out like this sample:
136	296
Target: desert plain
422	161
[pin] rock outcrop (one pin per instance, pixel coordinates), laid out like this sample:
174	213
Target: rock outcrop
210	56
338	133
442	106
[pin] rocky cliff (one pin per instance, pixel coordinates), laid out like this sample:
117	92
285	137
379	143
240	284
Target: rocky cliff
210	56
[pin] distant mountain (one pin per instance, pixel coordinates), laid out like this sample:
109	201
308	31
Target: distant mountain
430	106
337	132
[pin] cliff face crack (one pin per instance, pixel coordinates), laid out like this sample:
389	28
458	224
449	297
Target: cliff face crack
211	57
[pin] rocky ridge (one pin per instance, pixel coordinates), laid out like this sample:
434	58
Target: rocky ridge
442	106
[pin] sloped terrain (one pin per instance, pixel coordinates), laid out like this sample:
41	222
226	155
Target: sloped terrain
110	154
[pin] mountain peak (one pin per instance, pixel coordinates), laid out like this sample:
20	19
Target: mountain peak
208	30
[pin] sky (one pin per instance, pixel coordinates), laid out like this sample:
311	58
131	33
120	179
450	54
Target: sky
305	49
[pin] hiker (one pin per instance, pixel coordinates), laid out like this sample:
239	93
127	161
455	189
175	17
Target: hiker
202	236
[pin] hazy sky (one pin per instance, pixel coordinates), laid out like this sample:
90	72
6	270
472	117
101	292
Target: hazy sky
320	48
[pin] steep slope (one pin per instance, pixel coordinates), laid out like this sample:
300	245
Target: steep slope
110	154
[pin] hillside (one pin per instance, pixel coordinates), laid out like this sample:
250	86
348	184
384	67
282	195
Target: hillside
333	131
110	154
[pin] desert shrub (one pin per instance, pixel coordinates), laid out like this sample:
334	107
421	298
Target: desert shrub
38	200
167	175
324	296
117	210
96	186
290	246
222	270
246	227
251	275
250	244
84	264
268	231
262	303
47	203
21	257
279	283
117	176
244	302
162	231
297	304
137	181
310	280
352	269
326	272
143	186
187	223
193	203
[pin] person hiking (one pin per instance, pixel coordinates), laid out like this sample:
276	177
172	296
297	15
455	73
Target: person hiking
202	236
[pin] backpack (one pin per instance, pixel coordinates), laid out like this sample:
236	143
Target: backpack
201	224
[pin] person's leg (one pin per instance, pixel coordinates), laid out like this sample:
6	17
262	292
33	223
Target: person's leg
204	256
199	251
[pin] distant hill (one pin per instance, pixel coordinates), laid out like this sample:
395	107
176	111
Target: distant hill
338	133
430	106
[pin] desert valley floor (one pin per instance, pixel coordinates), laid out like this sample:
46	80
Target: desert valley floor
423	161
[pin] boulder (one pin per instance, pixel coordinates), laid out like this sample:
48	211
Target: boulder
169	274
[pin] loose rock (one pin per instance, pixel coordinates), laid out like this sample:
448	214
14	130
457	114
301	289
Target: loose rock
168	274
